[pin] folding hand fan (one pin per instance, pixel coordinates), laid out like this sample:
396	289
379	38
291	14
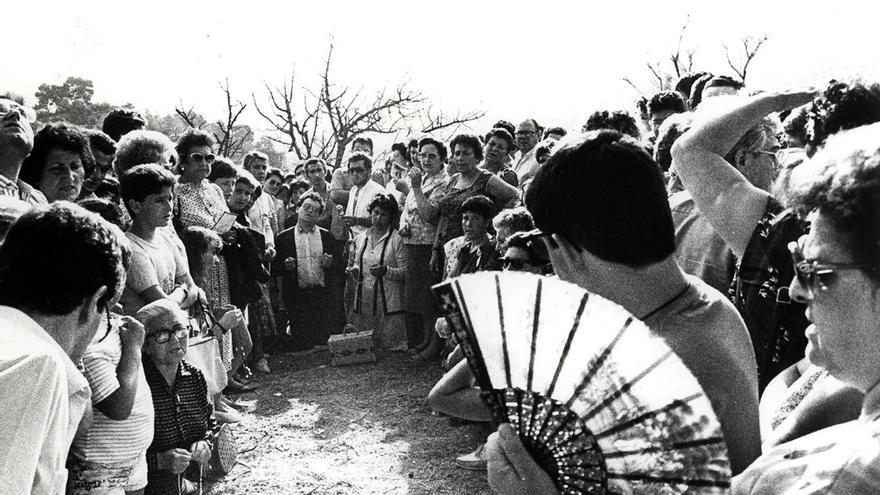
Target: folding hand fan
601	404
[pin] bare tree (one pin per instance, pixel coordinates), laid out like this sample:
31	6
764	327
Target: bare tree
663	75
229	136
750	48
324	122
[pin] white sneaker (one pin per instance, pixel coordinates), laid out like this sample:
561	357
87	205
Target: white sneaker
475	461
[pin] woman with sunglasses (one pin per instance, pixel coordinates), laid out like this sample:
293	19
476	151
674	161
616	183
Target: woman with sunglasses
184	430
525	254
837	277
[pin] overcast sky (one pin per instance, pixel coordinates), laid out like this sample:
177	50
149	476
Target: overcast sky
554	61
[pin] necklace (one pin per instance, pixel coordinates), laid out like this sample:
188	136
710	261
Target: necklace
666	304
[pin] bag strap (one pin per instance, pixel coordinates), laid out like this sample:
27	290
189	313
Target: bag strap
210	318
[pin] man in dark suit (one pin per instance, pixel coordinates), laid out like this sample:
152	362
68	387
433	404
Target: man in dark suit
305	262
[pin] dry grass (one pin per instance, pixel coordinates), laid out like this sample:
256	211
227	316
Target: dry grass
362	429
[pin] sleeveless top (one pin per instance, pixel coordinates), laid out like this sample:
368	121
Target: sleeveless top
449	225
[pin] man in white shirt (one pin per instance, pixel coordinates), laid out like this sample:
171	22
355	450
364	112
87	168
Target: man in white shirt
16	143
357	215
528	133
61	269
263	215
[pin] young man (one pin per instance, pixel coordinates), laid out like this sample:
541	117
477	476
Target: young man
307	256
61	269
159	268
475	250
341	183
359	165
602	202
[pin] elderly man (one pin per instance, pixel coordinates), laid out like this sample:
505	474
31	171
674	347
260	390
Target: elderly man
528	133
16	143
622	248
61	270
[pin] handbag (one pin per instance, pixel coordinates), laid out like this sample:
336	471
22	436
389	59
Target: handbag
224	454
351	347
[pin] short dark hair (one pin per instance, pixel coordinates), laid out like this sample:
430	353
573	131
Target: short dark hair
507	126
313	196
602	191
276	172
723	81
685	83
299	184
222	168
441	148
360	157
143	180
536	251
672	129
56	136
386	202
196	241
121	121
101	142
107	209
501	133
312	161
402	149
843	105
665	101
56	257
469	140
617	119
559	131
109	188
479	204
697	90
363	139
795	123
193	138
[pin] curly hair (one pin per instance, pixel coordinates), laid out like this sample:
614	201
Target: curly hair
441	148
142	147
385	202
101	142
56	257
314	197
191	139
503	135
56	136
617	120
469	140
516	219
842	182
665	101
222	168
479	204
841	106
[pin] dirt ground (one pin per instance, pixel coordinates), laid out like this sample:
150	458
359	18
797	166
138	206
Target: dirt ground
364	429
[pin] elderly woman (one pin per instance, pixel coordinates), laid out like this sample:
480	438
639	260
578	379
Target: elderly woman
59	162
378	265
184	430
469	180
837	267
418	229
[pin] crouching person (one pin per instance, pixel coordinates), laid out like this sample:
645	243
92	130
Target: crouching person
184	430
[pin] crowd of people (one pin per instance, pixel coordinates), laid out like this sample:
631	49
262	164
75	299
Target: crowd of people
143	282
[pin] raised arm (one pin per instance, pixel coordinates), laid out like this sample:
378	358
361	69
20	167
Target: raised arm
728	200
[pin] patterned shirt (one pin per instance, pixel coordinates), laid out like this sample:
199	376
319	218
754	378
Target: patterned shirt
22	191
422	231
183	417
199	204
760	292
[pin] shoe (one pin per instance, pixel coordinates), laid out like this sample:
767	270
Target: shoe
262	366
227	417
233	404
475	461
235	387
245	372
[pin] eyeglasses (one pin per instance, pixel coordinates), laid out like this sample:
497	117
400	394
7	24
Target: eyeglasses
514	264
9	106
197	157
813	273
164	335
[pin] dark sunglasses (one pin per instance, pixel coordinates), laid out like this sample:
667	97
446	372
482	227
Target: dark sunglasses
164	335
813	273
197	157
513	263
355	170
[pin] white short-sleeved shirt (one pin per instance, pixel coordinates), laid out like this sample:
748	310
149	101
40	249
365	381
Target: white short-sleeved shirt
358	201
161	262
